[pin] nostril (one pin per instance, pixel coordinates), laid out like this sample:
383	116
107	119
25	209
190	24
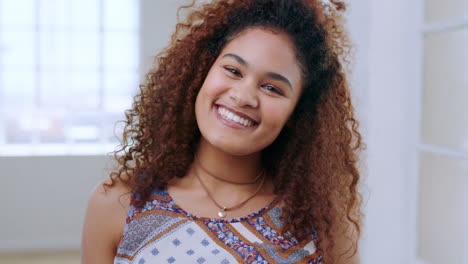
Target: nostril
245	100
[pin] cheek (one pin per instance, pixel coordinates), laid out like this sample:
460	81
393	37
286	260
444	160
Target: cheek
213	84
278	115
211	89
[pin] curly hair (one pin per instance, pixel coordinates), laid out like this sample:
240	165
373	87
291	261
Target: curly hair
312	163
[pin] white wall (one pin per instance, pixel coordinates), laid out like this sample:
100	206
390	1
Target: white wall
158	19
44	199
391	91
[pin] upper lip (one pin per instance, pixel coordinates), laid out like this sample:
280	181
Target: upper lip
238	113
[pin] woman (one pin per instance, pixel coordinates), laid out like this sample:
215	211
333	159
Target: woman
241	146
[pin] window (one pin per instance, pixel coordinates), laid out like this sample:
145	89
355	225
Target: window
68	70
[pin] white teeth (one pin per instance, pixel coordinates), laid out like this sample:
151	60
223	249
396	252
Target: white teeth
233	117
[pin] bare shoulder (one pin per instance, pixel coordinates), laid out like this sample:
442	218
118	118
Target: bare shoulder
104	221
113	199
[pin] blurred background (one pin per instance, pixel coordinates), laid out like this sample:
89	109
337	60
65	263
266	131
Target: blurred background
69	68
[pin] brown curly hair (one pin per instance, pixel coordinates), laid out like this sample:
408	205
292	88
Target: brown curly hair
312	163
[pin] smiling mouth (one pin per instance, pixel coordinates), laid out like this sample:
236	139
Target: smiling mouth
235	118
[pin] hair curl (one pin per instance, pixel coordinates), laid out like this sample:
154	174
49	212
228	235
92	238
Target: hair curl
312	163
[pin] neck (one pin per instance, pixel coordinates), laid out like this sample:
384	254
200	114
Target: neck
240	169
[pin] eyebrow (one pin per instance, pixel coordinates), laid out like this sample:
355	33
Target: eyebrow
272	75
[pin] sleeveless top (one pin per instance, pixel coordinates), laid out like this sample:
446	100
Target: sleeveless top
163	232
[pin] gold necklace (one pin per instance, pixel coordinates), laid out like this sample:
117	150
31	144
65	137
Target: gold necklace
223	212
226	180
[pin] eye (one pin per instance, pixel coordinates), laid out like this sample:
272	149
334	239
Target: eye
233	71
272	89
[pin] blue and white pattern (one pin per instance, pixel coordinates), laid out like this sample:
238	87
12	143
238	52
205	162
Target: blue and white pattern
162	232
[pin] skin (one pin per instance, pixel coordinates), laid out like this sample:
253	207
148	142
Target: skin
104	223
256	76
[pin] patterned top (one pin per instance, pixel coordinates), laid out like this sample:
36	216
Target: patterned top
162	232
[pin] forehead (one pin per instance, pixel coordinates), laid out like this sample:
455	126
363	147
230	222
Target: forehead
265	50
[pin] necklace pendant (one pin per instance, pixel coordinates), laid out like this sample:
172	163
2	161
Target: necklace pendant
222	213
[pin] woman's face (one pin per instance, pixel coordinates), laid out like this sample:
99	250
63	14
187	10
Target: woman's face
249	93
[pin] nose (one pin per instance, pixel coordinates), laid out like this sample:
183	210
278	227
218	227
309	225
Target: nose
244	95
